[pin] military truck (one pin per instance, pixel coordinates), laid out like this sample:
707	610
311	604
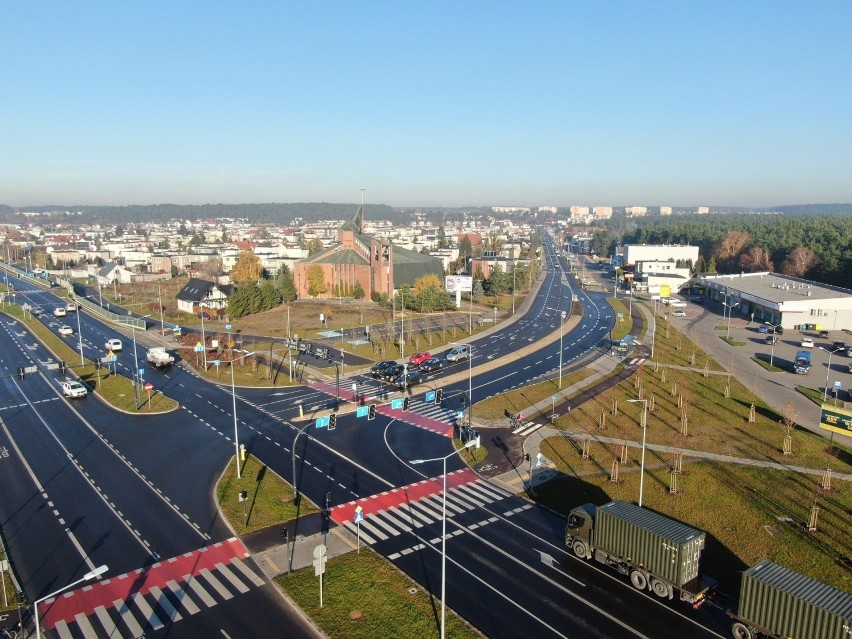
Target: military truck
159	357
777	602
657	553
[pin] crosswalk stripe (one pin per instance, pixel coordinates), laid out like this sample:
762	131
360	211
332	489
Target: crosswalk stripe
85	626
490	491
475	497
62	628
128	618
248	572
438	503
354	530
527	431
457	497
199	591
416	515
217	585
106	621
232	578
435	516
405	516
396	522
165	604
183	597
380	521
365	525
147	611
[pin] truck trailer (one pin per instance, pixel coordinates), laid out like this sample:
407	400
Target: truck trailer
159	357
802	363
777	602
657	553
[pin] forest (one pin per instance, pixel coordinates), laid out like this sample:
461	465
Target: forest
816	247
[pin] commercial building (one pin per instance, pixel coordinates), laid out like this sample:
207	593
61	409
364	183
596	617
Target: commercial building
782	300
635	253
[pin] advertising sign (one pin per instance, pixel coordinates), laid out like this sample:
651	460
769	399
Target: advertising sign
455	283
836	419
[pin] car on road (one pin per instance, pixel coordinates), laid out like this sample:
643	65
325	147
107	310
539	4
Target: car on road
59	311
419	358
677	304
66	330
114	345
771	339
74	389
71	307
679	313
823	334
392	372
839	345
458	354
807	342
763	328
410	378
378	367
431	364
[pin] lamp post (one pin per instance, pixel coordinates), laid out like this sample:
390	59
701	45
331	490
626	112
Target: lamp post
654	330
234	397
203	336
135	361
160	304
472	442
514	271
772	350
469	381
644	433
730	312
563	314
97	572
293	459
79	334
828	370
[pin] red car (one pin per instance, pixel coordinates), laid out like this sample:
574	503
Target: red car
419	358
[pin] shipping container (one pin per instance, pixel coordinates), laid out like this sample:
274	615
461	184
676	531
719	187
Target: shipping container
665	547
779	602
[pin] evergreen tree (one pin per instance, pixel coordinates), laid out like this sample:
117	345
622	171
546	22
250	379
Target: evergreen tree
285	284
478	290
358	291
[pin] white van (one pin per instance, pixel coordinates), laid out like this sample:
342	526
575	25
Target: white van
458	354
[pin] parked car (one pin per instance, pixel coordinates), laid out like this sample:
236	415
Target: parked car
66	330
677	304
114	345
807	342
431	364
204	315
779	330
419	358
74	389
376	369
392	372
771	339
823	334
410	378
763	328
697	299
678	313
458	354
838	345
59	311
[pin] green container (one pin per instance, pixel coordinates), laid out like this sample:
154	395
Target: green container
664	547
788	604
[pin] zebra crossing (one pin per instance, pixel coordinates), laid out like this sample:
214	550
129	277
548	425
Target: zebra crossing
151	598
526	428
636	361
403	510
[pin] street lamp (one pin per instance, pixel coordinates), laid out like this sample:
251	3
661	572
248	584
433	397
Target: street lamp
234	397
561	333
644	433
79	333
774	338
469	382
471	443
828	370
135	360
97	572
730	312
293	459
654	330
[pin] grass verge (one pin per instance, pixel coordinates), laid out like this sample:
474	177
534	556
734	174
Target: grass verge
365	597
732	341
763	360
518	400
624	325
269	499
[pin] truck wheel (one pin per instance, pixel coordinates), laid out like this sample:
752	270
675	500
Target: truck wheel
638	579
580	549
660	589
740	631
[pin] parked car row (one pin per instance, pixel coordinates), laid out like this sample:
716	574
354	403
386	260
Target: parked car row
404	375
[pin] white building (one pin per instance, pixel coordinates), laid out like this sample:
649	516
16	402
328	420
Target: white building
602	212
635	253
636	211
703	210
579	211
665	210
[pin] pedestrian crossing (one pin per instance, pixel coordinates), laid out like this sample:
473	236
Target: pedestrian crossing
526	428
636	361
151	598
403	510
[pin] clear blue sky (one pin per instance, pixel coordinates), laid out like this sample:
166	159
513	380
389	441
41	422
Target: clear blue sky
426	103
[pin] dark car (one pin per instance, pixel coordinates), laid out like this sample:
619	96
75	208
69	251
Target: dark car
779	330
823	334
838	345
411	378
431	364
392	372
376	370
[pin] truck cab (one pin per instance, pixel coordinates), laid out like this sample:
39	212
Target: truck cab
802	363
578	532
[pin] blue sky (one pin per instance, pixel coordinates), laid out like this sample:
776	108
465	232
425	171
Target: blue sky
427	104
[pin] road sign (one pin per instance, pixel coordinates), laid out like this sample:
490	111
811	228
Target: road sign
359	514
538	460
397	403
553	398
199	348
217	362
322	422
227	327
141	372
149	386
430	396
319	559
362	411
837	386
113	358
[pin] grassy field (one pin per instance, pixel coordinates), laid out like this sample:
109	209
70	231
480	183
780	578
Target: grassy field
625	325
672	346
520	399
269	499
365	597
114	389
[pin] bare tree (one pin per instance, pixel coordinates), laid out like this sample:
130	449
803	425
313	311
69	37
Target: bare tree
800	261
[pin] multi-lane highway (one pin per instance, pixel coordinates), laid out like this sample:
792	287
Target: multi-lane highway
135	493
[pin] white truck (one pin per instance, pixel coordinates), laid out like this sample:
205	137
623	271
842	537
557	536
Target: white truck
159	357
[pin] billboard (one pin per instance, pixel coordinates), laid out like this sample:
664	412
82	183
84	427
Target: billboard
456	283
835	419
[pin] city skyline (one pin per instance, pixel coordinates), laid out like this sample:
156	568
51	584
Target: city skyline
556	104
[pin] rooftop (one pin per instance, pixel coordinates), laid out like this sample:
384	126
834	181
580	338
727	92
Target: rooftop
775	287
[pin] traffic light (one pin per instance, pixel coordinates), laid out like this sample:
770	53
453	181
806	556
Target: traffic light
332	421
62	367
526	456
405	403
372	413
21	372
438	395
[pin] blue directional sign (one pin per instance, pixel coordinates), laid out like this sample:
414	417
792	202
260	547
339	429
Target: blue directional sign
217	362
362	411
430	396
359	517
322	422
538	460
113	358
398	403
141	372
227	327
